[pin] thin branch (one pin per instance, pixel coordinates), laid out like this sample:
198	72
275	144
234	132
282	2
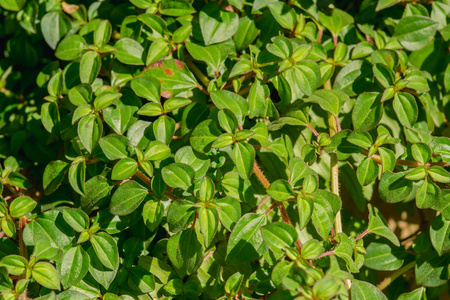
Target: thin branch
144	178
261	177
363	234
312	129
325	254
385	283
270	208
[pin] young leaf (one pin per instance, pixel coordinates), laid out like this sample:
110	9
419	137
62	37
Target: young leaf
46	275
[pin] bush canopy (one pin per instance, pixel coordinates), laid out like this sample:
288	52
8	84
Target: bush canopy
261	149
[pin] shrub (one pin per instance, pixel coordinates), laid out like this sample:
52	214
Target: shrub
232	149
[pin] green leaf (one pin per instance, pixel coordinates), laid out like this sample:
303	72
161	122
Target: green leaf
246	242
153	214
441	146
46	275
90	129
378	225
227	120
158	50
179	214
330	100
73	266
421	152
384	256
90	67
281	47
360	138
14	5
431	269
305	206
50	117
141	280
299	170
229	212
54	174
102	33
284	14
208	219
14	264
151	109
99	272
106	249
147	87
439	174
365	290
80	94
415	32
241	67
405	107
304	77
216	24
440	234
175	103
129	51
173	75
204	135
213	56
157	151
312	249
127	198
244	159
77	176
206	189
198	161
278	236
322	217
124	169
228	100
176	8
355	78
387	159
336	21
428	194
164	129
382	4
367	171
384	75
97	193
394	187
185	251
76	218
114	146
417	294
70	47
178	175
246	32
54	25
280	190
21	206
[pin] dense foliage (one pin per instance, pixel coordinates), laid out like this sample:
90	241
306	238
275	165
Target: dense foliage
237	149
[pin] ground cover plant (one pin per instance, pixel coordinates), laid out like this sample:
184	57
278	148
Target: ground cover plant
176	149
